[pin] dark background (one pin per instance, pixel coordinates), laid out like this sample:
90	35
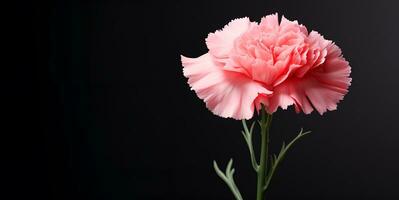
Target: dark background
101	109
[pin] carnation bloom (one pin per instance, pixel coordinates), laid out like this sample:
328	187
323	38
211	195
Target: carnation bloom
270	63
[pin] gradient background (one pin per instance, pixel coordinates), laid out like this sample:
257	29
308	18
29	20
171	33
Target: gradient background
113	116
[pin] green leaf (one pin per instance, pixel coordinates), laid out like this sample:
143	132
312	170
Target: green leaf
281	155
248	139
227	177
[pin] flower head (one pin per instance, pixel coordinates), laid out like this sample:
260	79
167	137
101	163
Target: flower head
270	63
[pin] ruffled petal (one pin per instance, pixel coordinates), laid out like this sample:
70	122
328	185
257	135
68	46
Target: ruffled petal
287	26
322	88
221	42
269	23
317	52
288	93
226	93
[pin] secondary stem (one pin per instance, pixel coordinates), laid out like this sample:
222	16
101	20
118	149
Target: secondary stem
265	122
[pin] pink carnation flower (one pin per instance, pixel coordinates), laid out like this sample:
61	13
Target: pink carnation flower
270	63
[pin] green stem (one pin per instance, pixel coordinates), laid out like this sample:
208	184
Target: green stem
265	122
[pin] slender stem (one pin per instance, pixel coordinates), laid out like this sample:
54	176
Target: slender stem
265	122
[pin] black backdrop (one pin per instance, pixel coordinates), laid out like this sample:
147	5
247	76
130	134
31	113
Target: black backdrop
117	119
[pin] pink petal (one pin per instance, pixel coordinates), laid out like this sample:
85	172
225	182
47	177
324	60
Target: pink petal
335	71
323	87
221	42
269	22
226	93
287	25
288	93
317	41
317	54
